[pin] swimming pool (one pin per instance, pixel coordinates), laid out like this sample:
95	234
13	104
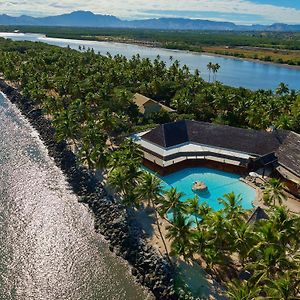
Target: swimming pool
218	183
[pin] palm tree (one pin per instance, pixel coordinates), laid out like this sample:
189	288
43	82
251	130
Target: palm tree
274	192
212	256
117	181
193	209
150	189
215	69
232	206
125	168
268	261
181	235
283	288
171	203
244	238
287	227
242	290
124	181
282	89
209	68
66	126
127	154
218	231
204	210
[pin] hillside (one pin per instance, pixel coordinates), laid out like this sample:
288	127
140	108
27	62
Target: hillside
89	19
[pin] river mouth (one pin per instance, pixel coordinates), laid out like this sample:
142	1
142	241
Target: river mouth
48	246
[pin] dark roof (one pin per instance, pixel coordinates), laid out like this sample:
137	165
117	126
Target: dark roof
243	140
289	153
266	160
257	215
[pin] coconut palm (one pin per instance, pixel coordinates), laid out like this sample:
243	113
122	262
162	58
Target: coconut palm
218	231
127	154
287	226
274	192
270	261
150	189
209	68
232	206
282	89
283	288
204	210
212	256
180	234
124	181
193	209
66	126
242	290
171	203
244	238
215	69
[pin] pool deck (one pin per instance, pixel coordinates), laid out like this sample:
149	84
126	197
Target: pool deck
292	203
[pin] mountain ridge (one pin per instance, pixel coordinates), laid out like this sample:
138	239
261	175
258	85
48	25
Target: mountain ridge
89	19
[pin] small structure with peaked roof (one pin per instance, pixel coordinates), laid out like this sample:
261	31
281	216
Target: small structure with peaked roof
147	105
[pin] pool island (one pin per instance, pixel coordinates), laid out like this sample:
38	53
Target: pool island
176	146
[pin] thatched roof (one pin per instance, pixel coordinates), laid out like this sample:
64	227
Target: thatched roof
289	153
141	100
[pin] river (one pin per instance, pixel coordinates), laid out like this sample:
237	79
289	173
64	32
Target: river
48	246
233	72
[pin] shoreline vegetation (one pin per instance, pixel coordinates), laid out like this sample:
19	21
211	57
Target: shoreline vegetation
268	47
87	99
111	219
265	56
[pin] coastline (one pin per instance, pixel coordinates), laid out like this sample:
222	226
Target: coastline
292	67
160	46
124	236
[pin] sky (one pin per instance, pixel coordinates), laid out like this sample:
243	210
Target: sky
238	11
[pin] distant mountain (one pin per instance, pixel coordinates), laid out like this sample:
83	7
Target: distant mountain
89	19
74	19
180	23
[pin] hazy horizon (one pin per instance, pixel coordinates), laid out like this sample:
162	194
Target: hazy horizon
237	11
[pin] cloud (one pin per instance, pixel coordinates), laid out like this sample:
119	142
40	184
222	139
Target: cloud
264	13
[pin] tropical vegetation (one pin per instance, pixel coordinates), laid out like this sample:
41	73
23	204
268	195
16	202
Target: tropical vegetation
254	258
278	47
88	98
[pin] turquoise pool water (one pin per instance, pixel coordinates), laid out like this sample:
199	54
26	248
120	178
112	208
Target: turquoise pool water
218	183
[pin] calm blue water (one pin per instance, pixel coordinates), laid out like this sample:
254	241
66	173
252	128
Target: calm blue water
233	72
218	183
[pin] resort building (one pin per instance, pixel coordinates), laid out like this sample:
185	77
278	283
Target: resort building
147	106
181	144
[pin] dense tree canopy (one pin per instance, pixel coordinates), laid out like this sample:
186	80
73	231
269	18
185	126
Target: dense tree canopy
92	87
88	97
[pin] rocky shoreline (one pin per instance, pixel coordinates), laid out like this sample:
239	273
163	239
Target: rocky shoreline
111	218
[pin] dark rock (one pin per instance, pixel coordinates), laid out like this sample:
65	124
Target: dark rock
134	271
111	218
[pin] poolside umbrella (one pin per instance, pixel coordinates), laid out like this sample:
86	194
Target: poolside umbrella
257	215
